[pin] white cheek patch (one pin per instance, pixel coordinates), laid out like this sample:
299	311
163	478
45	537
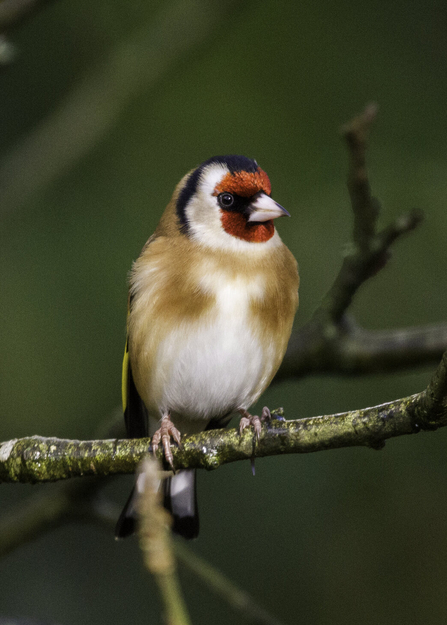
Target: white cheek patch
204	218
203	215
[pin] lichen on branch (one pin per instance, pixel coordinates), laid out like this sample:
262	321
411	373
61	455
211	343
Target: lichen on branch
37	459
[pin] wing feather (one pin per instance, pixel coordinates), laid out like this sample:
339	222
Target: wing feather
135	412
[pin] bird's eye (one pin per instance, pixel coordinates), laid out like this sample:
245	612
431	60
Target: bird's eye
225	200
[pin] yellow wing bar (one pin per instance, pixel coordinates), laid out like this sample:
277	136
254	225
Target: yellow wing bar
125	378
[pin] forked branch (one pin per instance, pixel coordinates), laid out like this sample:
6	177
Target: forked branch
332	342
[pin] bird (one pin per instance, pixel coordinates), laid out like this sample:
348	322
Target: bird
212	300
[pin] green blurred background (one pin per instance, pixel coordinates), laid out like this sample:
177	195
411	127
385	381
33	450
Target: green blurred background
347	536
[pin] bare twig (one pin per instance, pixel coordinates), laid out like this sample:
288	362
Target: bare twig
370	249
361	263
331	341
432	408
352	350
364	206
237	598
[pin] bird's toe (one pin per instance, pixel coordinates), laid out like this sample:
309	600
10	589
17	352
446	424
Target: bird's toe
163	435
249	420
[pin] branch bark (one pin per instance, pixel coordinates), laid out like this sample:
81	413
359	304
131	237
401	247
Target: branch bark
37	459
80	500
332	342
353	350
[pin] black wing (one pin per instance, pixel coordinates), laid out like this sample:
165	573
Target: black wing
135	413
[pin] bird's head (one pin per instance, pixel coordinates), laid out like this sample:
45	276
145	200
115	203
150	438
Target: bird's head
225	203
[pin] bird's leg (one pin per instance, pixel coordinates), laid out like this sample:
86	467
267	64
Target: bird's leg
163	434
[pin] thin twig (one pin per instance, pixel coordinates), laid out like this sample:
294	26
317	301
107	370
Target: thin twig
370	249
359	264
237	598
331	341
364	206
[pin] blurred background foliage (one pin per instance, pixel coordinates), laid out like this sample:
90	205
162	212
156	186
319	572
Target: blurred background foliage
342	537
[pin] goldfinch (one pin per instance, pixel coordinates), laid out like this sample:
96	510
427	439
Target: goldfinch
212	300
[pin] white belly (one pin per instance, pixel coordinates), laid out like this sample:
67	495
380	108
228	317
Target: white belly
214	366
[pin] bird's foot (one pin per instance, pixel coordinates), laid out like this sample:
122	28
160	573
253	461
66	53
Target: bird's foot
247	420
266	415
163	435
253	421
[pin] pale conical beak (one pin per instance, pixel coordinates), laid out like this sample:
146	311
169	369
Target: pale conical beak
264	208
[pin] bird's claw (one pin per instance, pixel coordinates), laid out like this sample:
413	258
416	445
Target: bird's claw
254	421
250	420
266	415
163	435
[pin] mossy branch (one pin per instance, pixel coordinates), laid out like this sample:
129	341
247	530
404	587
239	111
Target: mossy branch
37	459
330	342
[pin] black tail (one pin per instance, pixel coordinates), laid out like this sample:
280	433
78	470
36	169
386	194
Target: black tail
180	499
127	522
